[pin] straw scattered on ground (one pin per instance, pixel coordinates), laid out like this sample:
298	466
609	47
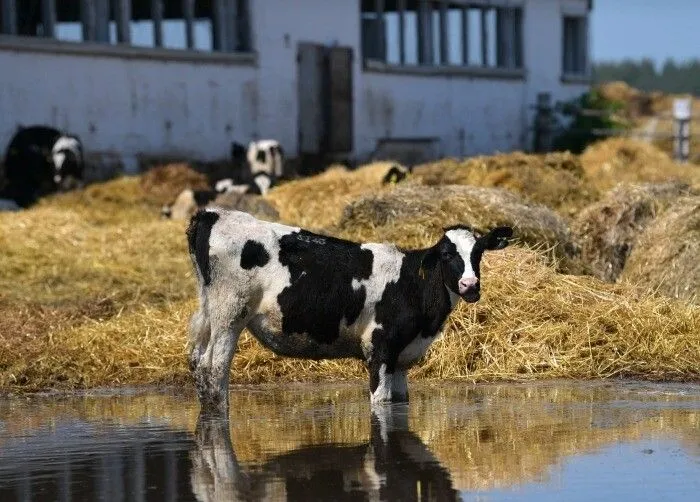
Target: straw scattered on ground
616	160
96	290
666	259
555	180
607	231
317	202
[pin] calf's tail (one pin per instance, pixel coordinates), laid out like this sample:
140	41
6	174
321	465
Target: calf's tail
198	233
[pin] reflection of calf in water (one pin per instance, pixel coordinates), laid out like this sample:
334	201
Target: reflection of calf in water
394	465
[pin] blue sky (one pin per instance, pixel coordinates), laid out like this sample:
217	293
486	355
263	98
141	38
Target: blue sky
658	29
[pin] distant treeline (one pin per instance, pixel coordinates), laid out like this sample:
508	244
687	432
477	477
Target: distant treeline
673	77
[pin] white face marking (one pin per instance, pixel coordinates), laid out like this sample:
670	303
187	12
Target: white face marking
464	241
67	143
58	159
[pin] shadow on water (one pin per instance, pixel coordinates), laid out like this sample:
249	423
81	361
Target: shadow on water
454	441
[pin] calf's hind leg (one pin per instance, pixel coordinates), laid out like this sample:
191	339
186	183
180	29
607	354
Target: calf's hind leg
212	371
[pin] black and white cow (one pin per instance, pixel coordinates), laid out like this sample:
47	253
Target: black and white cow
41	160
311	296
188	201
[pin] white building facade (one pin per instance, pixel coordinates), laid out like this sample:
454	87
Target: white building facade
338	77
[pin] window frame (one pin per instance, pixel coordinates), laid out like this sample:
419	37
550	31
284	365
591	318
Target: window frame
436	51
575	53
94	18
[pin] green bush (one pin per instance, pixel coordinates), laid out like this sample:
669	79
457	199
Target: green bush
583	129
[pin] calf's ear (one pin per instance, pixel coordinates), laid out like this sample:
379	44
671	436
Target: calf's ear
497	238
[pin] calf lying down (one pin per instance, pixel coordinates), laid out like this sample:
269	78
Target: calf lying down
310	296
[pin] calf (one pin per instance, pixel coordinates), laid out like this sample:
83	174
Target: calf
41	160
310	296
188	201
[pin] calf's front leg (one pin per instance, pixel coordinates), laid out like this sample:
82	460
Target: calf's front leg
387	384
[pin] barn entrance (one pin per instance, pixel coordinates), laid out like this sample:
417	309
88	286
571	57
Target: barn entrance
324	76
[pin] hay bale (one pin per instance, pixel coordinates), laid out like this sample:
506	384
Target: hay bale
318	201
616	160
666	257
555	180
163	184
413	215
607	231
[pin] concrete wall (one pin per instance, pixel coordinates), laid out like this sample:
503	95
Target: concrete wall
135	101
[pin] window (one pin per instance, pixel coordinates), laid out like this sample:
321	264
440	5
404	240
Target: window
205	25
575	46
442	33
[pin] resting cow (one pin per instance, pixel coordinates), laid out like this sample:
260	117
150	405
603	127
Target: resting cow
311	296
188	201
41	160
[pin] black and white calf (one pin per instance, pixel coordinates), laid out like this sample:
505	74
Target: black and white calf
311	296
41	160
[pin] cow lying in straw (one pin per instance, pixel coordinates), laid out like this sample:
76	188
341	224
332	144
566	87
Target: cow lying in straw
306	295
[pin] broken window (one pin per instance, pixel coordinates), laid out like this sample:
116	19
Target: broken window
442	32
206	25
575	45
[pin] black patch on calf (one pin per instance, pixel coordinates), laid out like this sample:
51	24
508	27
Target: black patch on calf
198	233
203	197
254	254
261	156
321	294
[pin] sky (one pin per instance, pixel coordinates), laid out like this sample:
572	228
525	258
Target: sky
657	29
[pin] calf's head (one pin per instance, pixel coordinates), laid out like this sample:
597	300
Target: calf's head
67	157
459	255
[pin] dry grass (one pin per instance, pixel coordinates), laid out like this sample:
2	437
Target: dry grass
96	290
607	230
667	257
555	180
164	183
616	160
318	201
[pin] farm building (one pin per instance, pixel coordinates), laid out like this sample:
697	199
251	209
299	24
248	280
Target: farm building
339	78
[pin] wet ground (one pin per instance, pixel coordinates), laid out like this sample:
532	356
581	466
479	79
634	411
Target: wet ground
545	441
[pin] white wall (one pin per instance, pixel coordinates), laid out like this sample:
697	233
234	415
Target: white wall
124	104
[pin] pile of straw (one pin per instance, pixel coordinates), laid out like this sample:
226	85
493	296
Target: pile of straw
164	183
555	180
412	212
96	290
616	160
667	256
317	202
607	231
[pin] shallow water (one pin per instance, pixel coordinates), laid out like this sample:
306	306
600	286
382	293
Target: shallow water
553	441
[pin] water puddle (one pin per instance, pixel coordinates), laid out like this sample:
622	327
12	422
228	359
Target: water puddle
545	441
